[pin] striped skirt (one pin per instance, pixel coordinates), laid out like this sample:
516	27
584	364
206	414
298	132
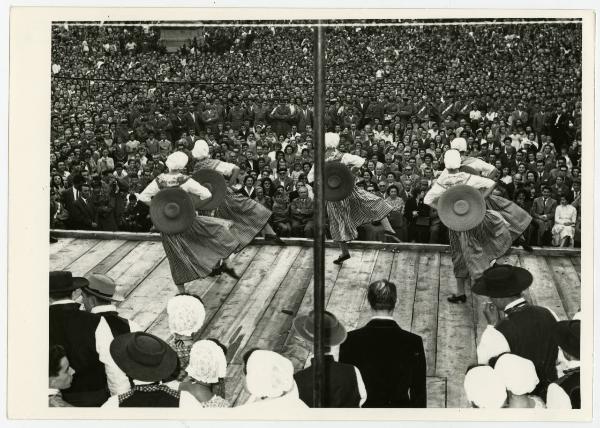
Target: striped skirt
473	250
517	218
358	208
248	217
194	253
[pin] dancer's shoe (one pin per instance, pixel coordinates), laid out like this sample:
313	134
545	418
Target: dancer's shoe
457	299
341	259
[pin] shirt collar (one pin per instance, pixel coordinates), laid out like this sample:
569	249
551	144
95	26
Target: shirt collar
514	303
103	308
63	302
382	317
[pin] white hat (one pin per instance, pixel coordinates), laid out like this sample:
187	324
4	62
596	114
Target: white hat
332	140
518	373
207	362
177	160
484	388
186	315
492	344
452	159
269	374
200	150
459	144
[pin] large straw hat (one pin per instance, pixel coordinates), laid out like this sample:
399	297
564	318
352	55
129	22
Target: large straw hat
339	181
502	281
172	210
461	208
334	332
217	186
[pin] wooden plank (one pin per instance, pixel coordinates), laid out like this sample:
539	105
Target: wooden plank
212	290
115	257
350	290
275	324
576	260
567	283
543	290
382	270
236	319
71	252
62	243
436	392
456	347
86	263
425	315
135	267
234	382
295	348
404	274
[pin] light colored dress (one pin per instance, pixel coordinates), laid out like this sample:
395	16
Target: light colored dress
358	208
193	253
472	250
564	214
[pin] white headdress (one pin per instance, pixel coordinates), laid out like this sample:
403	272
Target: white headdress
200	150
492	344
452	159
269	374
518	373
186	315
177	160
459	144
207	362
485	388
332	140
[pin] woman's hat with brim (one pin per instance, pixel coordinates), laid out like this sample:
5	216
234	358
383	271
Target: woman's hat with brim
172	210
217	186
503	281
63	280
339	181
461	208
567	334
143	356
334	332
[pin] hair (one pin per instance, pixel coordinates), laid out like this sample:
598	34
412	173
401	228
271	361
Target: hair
494	360
382	295
57	353
393	186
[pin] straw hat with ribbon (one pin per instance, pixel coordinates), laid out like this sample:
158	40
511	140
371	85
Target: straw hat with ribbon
339	181
217	186
172	211
461	208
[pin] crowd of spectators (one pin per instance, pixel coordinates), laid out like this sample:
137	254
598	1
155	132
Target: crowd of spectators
397	95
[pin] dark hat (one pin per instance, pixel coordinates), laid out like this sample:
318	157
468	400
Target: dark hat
339	181
217	186
143	356
503	281
461	208
63	280
172	210
567	336
334	332
102	286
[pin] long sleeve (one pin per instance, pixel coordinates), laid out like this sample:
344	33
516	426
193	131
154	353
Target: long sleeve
362	390
195	188
225	168
147	194
311	175
433	195
482	167
118	383
353	160
418	389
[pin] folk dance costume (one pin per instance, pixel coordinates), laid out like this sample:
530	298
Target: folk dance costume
196	252
472	250
358	208
248	216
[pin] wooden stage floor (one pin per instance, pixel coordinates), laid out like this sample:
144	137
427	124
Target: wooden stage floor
276	284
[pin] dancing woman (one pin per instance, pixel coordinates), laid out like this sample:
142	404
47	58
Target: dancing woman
201	249
358	208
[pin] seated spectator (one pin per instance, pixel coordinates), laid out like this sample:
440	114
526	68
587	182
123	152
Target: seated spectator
396	217
565	219
280	219
60	376
301	214
520	379
543	213
206	370
136	217
186	315
484	388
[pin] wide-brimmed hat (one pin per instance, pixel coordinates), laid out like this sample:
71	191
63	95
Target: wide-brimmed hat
217	186
63	281
338	182
102	286
503	281
567	335
172	210
143	356
334	332
461	208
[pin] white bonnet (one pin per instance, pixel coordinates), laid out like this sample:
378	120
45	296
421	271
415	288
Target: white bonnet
332	140
452	159
200	150
459	144
518	373
485	388
269	374
177	160
207	362
492	344
186	315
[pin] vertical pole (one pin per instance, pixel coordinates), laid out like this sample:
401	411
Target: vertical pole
319	213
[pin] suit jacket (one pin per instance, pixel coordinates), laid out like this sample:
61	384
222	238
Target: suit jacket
304	119
539	208
251	194
82	215
391	361
191	122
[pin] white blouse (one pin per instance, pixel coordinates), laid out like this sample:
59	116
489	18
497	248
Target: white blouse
190	186
446	179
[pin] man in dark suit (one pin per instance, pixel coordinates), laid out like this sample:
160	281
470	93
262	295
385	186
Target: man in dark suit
70	195
527	328
542	211
391	360
192	119
82	215
560	127
344	386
